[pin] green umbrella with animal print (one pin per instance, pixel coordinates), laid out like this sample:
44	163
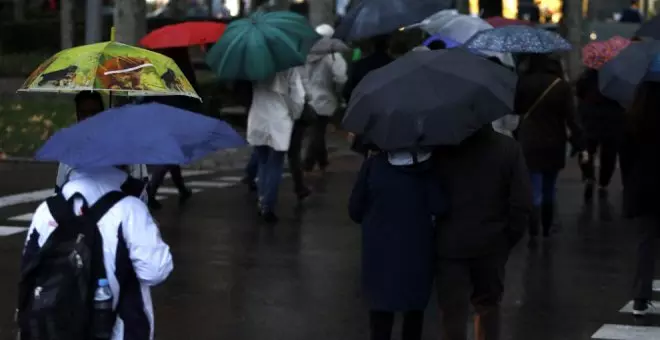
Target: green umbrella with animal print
110	67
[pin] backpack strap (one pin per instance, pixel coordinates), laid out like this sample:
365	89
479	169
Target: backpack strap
62	209
540	98
105	203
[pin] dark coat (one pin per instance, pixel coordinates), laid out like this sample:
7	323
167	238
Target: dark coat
640	168
542	133
601	118
395	205
490	196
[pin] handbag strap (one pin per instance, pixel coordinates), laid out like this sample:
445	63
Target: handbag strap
540	98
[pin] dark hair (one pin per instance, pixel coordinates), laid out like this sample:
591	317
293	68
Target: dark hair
644	120
544	63
437	45
89	95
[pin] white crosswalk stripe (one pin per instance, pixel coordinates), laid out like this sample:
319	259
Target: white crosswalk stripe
6	230
624	332
22	218
173	191
208	184
229	178
628	308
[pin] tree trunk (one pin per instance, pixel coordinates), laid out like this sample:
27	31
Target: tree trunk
178	8
19	10
93	21
321	12
130	21
66	24
573	21
462	6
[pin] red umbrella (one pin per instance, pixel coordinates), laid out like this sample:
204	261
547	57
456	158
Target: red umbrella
499	22
184	35
597	53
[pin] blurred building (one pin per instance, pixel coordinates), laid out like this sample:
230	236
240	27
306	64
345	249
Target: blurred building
550	11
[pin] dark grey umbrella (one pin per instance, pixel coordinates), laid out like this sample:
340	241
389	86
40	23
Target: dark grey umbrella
618	78
650	29
430	98
371	18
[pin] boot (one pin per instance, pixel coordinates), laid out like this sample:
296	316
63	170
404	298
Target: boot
534	222
547	217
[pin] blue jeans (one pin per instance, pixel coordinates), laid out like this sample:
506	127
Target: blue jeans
270	168
252	168
544	187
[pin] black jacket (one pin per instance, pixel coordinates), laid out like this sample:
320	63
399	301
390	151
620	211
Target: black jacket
490	196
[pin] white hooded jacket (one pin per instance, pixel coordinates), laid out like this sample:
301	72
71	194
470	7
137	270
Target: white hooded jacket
276	104
131	244
321	81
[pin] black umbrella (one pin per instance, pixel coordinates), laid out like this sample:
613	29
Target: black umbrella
371	18
650	29
429	98
618	78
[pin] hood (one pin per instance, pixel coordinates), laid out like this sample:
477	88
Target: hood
313	58
325	30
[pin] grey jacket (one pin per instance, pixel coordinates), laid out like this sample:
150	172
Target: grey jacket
490	196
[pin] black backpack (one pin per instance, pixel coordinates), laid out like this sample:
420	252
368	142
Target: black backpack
58	280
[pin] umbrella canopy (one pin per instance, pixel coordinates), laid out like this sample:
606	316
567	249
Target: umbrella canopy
449	43
499	22
139	134
329	46
618	79
450	24
650	29
518	39
429	98
261	45
109	66
596	53
184	35
371	18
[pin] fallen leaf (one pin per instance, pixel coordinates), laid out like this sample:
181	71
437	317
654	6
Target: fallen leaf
9	129
36	118
48	123
17	107
23	130
45	135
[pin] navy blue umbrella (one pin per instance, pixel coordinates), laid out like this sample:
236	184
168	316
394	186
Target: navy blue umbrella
518	39
429	98
371	18
139	134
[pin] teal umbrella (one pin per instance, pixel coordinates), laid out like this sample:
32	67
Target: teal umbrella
261	45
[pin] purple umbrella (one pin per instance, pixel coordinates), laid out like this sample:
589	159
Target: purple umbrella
449	43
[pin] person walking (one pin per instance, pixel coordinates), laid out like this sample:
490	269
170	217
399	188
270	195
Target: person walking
396	198
603	122
323	75
641	188
277	103
490	203
545	103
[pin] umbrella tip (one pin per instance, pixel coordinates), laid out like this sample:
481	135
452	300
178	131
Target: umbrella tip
113	32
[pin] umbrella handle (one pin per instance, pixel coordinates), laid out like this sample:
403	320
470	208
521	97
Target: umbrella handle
113	32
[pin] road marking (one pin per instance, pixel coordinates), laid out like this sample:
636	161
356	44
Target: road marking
628	308
229	178
6	231
22	218
186	173
656	286
173	191
623	332
206	184
26	197
160	197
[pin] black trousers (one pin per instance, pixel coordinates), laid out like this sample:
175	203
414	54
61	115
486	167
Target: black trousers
317	150
381	324
649	231
476	280
158	176
609	150
293	156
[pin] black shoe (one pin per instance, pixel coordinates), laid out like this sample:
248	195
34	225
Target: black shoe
269	217
534	222
547	218
185	196
588	192
641	307
154	204
303	194
252	186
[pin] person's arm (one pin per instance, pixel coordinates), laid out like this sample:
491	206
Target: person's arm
296	98
150	255
520	203
358	203
339	69
576	137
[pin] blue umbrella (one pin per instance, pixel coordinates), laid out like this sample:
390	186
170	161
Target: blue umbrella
139	134
371	18
518	39
449	43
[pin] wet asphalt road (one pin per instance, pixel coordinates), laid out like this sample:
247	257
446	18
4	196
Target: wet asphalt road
236	278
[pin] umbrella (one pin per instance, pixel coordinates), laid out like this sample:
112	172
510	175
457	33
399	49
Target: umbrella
429	98
109	66
329	46
518	39
618	78
650	29
184	35
261	45
449	43
597	53
371	18
499	22
139	134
